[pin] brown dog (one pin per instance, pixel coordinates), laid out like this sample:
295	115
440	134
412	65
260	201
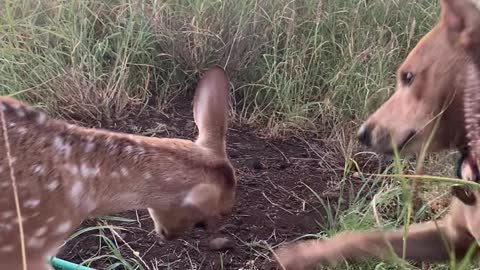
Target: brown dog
53	175
430	87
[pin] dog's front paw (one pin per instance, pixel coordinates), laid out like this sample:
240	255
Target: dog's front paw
297	256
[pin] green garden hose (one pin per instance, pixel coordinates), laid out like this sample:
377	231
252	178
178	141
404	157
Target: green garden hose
59	264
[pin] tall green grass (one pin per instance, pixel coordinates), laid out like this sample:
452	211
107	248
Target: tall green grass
292	63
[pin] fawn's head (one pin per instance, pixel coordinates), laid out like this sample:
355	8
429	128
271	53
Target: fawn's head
427	105
211	185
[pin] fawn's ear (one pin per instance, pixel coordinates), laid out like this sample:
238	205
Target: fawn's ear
210	110
462	19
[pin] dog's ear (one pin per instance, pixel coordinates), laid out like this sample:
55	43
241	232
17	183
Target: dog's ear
462	19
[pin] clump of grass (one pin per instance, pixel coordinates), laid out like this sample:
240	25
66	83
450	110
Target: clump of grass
86	60
111	246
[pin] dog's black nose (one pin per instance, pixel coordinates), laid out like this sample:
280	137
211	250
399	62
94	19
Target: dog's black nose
364	135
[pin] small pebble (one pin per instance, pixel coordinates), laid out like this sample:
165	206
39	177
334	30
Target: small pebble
221	244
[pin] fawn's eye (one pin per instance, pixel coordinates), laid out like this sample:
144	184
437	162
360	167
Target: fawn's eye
407	78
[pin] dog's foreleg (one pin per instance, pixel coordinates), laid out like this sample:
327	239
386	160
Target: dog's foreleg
425	242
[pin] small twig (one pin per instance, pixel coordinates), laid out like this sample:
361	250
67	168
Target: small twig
15	191
280	151
138	219
276	204
376	215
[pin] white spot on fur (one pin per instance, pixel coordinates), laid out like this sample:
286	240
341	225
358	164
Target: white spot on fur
147	175
7	214
90	138
53	185
189	199
50	219
41	118
128	149
73	169
123	171
7	248
76	193
31	203
16	106
40	231
87	171
18	109
38	169
61	146
35	242
114	174
89	147
63	227
89	205
168	179
12	124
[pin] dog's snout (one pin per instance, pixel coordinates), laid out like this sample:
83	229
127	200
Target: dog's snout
364	135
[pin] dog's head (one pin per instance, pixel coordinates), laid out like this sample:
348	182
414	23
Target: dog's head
427	106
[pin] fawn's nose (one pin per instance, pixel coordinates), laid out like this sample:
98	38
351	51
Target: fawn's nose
364	135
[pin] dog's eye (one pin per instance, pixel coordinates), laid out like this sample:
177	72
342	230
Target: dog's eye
407	78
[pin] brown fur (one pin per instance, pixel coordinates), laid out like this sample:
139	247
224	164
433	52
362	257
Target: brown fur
441	67
66	173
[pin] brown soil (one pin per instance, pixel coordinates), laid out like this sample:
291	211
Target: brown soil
275	202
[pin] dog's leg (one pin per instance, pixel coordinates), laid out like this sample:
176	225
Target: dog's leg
428	242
